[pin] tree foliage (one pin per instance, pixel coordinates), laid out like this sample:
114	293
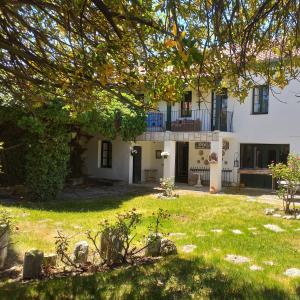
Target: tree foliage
72	48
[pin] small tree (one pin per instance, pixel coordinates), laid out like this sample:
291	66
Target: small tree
289	179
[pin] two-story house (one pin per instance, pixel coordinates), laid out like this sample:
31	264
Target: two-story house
222	140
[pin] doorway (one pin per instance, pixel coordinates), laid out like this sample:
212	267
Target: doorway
219	111
137	165
182	162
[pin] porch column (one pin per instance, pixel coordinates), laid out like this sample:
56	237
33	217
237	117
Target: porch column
169	162
216	168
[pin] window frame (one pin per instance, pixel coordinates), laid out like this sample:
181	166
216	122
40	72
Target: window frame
260	98
108	164
186	112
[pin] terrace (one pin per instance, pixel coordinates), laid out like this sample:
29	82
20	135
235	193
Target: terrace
190	121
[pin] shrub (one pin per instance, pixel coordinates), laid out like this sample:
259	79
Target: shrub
290	175
168	186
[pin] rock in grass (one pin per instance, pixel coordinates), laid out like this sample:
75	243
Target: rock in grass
177	234
49	260
293	272
237	259
217	230
274	227
81	252
269	263
153	245
4	240
277	215
255	268
236	231
189	248
167	247
32	266
269	211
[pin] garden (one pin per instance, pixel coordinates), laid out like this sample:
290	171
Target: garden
226	249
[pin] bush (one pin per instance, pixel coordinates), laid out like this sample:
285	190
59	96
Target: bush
168	186
290	174
48	154
47	168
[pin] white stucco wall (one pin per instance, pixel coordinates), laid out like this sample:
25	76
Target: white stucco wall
120	160
280	126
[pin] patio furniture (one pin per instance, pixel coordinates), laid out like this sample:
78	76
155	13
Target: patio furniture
186	125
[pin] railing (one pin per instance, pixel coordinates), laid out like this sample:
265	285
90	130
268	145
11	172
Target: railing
227	177
192	120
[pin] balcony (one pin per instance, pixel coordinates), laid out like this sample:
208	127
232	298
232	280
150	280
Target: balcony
195	121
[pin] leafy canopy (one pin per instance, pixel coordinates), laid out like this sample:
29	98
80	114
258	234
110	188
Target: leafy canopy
75	48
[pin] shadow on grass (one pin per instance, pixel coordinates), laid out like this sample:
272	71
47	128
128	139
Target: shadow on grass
83	202
172	278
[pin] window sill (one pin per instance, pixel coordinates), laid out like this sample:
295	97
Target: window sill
263	113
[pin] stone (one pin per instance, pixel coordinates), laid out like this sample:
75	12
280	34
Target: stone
167	247
236	231
202	234
269	263
4	240
293	272
269	211
189	248
236	259
217	230
273	227
298	217
32	266
81	252
288	217
153	244
49	260
255	268
277	215
111	247
252	228
177	234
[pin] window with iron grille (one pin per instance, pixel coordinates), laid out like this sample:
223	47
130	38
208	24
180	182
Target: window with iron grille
106	154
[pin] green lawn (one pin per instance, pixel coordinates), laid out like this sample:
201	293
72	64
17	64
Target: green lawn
203	273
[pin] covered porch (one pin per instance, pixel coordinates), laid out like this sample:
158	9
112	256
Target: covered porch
207	160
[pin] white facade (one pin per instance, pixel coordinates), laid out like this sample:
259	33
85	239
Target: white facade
280	125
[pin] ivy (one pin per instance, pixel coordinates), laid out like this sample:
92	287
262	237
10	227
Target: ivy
47	137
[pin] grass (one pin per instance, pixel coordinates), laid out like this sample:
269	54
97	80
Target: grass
201	274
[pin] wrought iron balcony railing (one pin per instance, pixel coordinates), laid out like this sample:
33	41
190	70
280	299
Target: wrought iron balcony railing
187	121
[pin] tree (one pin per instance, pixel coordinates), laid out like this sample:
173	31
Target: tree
72	48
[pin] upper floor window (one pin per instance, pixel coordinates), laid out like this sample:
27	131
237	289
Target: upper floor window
106	154
186	105
260	99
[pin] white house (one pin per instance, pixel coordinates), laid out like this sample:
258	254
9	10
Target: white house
220	139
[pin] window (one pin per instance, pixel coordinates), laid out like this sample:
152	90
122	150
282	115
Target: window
261	155
260	99
106	154
186	105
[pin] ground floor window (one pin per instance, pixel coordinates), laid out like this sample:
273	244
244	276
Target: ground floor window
262	155
106	154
